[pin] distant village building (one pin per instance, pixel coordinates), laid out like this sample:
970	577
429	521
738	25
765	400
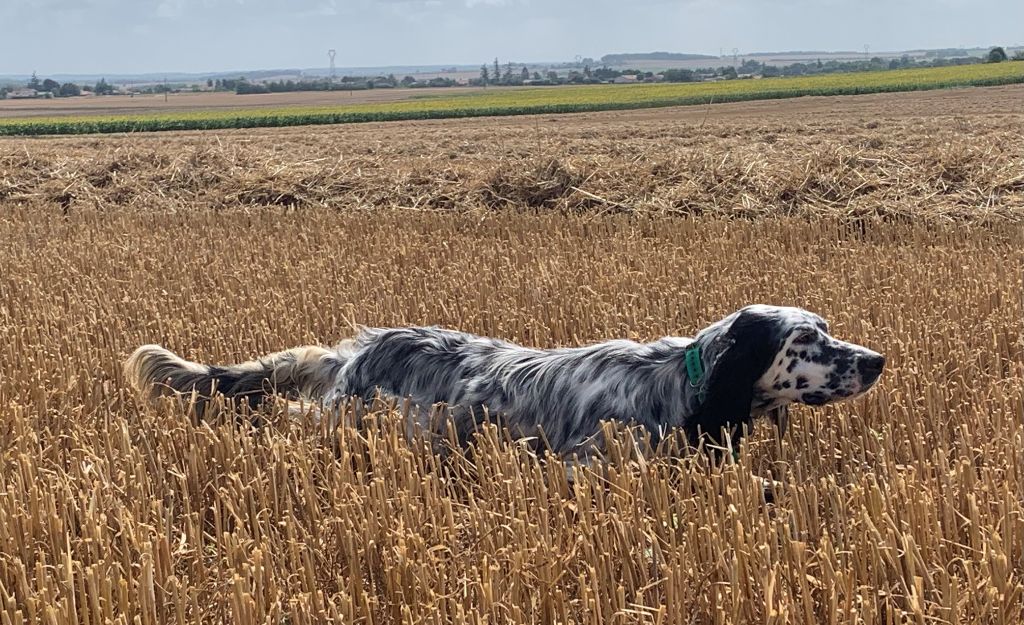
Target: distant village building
23	94
627	79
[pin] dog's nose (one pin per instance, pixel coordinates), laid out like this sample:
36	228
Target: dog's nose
870	367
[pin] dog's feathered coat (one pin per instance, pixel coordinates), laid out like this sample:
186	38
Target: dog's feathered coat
755	361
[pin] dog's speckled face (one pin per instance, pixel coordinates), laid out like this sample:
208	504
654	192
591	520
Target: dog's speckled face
814	368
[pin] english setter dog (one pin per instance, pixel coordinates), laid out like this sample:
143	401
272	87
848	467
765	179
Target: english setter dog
754	362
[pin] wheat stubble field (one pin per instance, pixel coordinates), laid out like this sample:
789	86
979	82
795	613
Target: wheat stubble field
901	224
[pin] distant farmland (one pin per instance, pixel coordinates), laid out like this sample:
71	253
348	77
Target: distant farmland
526	101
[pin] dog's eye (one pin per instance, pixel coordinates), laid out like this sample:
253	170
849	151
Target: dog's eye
806	336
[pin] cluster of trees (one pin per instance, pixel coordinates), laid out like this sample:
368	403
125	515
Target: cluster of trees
53	89
347	83
603	74
513	75
413	83
998	55
102	88
680	75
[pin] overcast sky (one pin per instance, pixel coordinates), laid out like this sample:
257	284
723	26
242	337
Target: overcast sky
136	36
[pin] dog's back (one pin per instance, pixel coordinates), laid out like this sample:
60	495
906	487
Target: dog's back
564	392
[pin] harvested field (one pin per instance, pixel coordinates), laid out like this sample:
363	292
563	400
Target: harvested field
828	156
904	506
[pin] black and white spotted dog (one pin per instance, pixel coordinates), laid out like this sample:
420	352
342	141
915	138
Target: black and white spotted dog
754	362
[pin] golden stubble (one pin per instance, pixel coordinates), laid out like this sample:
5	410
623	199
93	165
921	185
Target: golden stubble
902	506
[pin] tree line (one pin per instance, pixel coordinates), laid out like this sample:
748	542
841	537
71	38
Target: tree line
48	87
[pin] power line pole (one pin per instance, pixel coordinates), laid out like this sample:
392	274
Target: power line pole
331	54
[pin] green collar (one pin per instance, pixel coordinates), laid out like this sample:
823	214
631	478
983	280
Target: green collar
694	364
694	372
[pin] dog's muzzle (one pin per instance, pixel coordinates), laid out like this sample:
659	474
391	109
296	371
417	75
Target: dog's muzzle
870	368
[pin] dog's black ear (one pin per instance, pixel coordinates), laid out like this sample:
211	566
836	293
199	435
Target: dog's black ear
744	350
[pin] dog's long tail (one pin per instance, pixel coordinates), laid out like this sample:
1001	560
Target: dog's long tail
303	372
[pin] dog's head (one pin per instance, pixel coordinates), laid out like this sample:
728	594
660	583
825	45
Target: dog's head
767	357
812	367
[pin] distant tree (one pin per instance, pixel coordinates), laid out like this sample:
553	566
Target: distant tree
525	74
587	72
244	87
34	83
209	82
553	76
1018	55
485	75
537	76
606	73
997	55
679	75
729	73
69	89
750	66
408	81
103	87
497	70
438	82
51	85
